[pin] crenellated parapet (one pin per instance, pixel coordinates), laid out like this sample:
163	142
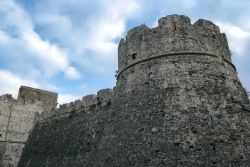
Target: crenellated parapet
103	97
174	35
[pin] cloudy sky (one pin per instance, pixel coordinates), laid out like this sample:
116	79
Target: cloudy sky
70	46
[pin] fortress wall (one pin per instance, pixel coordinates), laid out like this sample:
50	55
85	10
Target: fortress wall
174	34
12	153
5	103
18	120
192	114
180	72
71	138
187	108
45	99
175	38
69	135
103	97
192	104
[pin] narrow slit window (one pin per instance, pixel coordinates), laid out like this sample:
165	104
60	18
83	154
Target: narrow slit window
134	56
174	26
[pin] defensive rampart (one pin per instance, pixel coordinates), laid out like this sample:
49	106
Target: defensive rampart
177	102
103	97
17	118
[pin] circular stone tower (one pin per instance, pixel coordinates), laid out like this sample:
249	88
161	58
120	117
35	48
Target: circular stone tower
178	100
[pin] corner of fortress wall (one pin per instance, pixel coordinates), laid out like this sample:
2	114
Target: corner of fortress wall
17	118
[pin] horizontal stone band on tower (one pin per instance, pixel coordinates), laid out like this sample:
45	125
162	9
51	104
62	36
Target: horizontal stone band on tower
184	53
11	141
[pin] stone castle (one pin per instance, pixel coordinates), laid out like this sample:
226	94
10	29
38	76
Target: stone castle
177	102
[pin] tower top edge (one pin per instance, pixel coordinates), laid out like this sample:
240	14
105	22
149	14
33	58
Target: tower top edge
169	21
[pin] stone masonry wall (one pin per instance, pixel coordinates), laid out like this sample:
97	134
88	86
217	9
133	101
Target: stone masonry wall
75	131
17	118
182	98
5	103
103	97
45	99
177	102
174	34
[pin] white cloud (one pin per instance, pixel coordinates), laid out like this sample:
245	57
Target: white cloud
14	16
11	82
190	3
3	37
155	24
51	56
52	18
66	98
72	73
237	37
49	59
101	39
45	40
183	3
111	26
246	24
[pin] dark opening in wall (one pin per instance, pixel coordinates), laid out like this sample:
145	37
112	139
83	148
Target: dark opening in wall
174	26
0	135
134	56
